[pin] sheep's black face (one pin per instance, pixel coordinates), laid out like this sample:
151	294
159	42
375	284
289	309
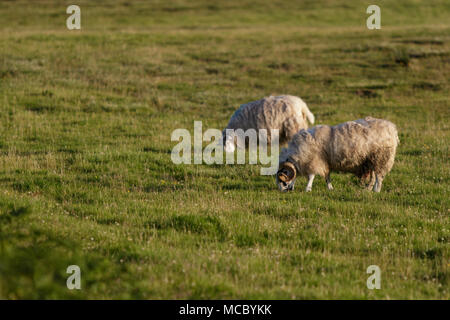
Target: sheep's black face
284	186
286	177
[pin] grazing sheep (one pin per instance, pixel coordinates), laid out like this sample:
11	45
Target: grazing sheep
364	147
286	113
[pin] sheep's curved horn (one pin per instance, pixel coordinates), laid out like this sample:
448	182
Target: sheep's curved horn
287	172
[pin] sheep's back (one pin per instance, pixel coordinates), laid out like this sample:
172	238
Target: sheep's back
354	143
267	113
244	117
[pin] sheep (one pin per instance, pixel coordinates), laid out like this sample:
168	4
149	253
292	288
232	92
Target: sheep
365	147
286	113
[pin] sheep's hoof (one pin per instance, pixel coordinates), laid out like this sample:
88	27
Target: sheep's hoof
308	189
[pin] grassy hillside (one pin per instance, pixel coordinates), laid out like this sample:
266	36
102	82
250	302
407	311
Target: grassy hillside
86	176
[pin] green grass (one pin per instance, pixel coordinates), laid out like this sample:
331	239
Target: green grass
86	175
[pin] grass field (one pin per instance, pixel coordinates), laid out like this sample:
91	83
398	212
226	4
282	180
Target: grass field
86	176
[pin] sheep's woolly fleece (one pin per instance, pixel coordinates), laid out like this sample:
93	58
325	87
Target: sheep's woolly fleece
286	113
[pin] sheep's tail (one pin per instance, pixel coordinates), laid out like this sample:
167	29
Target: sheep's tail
309	115
306	112
303	108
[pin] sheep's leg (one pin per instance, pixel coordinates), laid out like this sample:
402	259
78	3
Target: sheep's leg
378	182
362	181
371	180
310	182
328	179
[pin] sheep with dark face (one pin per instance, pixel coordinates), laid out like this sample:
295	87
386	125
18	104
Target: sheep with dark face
364	147
287	114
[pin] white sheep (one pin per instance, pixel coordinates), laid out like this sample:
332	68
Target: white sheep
286	113
364	147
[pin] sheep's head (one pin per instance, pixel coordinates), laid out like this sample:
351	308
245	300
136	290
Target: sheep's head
286	176
228	141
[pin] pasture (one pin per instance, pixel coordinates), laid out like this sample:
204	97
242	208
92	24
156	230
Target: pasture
86	176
